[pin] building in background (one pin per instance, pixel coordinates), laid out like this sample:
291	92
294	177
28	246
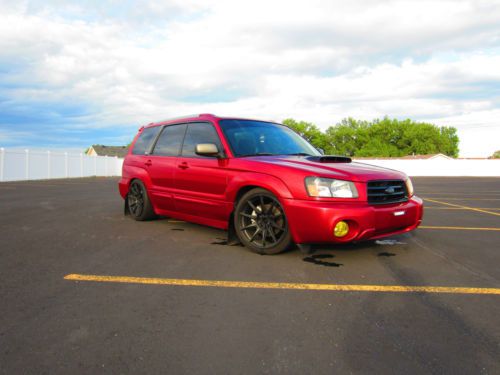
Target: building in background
101	150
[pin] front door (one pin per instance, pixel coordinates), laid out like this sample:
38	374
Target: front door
201	181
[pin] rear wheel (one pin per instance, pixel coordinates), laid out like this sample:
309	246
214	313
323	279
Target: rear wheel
138	202
260	223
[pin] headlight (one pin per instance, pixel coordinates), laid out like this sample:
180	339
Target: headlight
409	187
327	187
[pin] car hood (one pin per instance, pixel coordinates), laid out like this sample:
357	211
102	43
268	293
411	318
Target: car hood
342	170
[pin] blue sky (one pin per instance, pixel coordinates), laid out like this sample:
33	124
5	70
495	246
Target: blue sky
74	74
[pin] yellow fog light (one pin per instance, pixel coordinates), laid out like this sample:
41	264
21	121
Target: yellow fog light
341	229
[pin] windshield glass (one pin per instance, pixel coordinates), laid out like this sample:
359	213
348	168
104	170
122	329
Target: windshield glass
248	138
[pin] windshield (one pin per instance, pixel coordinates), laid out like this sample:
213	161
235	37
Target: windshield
249	138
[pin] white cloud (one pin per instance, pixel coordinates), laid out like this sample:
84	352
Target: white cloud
319	61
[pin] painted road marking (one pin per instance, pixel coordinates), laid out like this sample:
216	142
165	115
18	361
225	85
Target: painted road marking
464	207
295	286
457	228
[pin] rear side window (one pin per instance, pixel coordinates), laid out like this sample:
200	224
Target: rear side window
199	133
146	138
170	140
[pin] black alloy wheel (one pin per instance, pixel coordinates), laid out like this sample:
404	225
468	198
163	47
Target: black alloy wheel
261	224
138	202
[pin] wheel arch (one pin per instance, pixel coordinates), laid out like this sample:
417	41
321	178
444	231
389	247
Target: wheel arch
140	174
242	183
245	189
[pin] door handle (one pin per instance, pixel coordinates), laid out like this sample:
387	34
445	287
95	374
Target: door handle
148	163
183	165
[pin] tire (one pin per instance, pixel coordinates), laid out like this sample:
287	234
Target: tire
139	205
260	223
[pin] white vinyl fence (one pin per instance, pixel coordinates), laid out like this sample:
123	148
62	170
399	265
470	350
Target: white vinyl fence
18	165
440	167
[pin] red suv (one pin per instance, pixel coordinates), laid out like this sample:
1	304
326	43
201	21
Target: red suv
263	183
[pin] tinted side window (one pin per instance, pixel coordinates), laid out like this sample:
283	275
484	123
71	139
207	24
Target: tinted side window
145	140
170	140
199	133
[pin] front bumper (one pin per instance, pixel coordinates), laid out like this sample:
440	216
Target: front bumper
313	221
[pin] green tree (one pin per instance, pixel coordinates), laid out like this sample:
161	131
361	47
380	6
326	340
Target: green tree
422	139
380	137
449	141
347	137
385	138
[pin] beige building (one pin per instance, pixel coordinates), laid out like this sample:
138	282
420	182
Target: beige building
101	150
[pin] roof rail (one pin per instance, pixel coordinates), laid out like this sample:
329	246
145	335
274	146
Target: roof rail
182	117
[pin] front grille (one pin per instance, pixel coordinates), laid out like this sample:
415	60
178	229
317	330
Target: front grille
387	191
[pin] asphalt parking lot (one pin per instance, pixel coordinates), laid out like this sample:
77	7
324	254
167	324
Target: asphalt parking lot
243	313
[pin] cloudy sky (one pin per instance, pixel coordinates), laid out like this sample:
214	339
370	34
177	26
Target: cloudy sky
72	74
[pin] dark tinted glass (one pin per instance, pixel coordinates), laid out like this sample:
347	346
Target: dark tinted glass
199	133
170	140
145	140
248	137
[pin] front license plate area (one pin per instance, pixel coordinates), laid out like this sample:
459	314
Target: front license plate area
391	217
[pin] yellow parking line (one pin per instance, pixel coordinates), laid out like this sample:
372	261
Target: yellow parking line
457	228
464	207
296	286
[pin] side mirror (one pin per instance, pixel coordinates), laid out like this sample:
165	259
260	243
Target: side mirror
207	149
321	151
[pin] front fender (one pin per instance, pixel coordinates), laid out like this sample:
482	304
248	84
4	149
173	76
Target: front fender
262	180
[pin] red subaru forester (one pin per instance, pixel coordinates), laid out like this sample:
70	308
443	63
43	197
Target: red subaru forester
263	183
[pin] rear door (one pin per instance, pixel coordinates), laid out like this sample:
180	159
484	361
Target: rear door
201	181
139	156
162	164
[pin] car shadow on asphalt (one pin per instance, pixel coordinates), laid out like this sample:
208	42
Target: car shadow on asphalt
320	254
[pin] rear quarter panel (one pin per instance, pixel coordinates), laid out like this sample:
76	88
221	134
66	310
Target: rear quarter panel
132	168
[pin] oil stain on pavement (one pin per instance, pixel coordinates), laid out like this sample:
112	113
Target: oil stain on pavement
386	254
318	260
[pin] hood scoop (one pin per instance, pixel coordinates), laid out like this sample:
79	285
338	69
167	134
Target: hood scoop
330	159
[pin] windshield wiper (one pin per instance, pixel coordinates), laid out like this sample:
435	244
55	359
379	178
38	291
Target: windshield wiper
258	154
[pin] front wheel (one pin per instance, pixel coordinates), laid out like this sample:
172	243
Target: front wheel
260	223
